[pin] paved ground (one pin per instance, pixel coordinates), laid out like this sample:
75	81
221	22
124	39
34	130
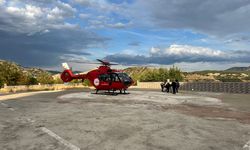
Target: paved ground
76	119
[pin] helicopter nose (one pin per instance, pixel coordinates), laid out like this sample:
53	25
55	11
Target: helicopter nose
128	82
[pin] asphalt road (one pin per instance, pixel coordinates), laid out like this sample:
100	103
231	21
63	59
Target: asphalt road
77	119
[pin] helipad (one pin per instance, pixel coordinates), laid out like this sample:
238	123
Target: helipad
140	120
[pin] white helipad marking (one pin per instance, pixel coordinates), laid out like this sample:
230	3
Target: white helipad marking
7	106
12	109
45	130
29	120
20	95
3	104
247	146
159	97
58	138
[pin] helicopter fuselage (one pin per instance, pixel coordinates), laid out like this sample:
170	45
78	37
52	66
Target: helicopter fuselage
103	78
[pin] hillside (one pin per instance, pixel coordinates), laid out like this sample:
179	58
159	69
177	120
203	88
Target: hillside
150	74
239	69
137	72
156	74
14	74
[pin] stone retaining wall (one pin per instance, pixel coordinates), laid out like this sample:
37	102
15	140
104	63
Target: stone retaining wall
224	87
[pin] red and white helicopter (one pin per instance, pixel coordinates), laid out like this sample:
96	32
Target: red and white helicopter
102	78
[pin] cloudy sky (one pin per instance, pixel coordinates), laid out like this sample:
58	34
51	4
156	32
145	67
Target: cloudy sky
191	34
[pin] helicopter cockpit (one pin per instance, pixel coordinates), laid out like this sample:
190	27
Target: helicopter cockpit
116	77
124	78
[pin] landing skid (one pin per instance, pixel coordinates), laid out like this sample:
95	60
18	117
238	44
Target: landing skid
112	93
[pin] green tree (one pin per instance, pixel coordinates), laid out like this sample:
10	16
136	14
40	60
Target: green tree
86	82
10	73
44	78
162	74
32	81
175	73
1	83
58	81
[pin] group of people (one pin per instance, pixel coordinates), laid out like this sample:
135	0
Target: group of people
170	86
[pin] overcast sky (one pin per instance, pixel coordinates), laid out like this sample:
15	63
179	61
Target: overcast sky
190	34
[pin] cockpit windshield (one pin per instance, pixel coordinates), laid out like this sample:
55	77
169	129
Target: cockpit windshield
123	76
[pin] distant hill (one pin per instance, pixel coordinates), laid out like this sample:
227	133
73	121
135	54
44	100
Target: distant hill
53	72
151	74
136	72
238	69
154	74
12	73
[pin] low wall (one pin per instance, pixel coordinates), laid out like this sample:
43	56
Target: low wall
8	89
148	85
223	87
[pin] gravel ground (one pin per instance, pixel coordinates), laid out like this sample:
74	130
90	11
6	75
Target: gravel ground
77	119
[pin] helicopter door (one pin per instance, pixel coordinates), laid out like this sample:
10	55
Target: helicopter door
105	80
115	78
116	82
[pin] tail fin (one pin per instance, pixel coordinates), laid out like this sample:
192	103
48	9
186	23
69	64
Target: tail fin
65	66
67	74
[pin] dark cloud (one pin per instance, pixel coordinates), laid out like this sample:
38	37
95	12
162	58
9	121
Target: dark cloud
46	49
35	33
126	59
214	17
237	39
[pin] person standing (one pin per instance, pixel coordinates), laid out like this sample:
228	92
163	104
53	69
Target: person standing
177	85
168	85
162	86
174	87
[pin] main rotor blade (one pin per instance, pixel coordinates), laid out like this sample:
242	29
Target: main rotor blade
84	62
101	62
106	62
113	64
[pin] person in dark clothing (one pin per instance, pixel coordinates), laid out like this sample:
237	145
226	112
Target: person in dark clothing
177	86
162	86
167	87
174	87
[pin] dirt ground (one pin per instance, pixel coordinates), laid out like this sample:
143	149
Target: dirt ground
143	119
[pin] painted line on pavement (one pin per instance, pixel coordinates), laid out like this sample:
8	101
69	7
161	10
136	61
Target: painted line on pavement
45	130
247	146
7	106
21	95
58	138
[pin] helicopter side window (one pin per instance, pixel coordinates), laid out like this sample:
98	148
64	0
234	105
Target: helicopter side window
115	77
104	77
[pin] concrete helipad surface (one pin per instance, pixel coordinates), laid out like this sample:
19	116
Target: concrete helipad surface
140	120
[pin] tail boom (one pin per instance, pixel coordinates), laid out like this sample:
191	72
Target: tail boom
67	76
